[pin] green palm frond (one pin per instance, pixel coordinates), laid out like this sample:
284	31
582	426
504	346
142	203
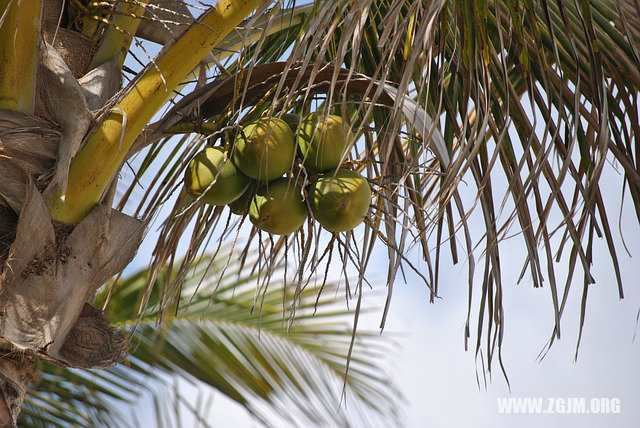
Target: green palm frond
66	397
211	336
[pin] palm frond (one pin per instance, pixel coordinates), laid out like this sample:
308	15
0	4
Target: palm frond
211	336
539	96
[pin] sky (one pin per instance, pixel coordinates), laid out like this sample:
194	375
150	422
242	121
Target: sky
438	378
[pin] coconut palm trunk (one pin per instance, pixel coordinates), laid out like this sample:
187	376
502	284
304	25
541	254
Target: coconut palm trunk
63	139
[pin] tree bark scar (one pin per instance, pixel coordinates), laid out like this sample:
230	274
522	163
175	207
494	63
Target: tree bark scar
38	266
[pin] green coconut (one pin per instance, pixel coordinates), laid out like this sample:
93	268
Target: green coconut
241	205
264	150
293	120
278	208
340	201
322	141
203	170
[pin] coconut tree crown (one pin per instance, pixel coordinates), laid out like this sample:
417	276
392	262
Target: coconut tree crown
441	103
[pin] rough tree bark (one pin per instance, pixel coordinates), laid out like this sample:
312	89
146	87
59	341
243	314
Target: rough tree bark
49	272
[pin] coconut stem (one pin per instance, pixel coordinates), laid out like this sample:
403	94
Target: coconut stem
123	24
19	48
190	127
268	25
99	160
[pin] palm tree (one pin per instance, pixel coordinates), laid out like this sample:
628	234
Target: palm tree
217	340
540	95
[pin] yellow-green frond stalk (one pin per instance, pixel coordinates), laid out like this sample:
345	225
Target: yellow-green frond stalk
93	168
268	25
117	40
19	47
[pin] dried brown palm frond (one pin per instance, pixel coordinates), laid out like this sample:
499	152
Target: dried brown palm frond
439	93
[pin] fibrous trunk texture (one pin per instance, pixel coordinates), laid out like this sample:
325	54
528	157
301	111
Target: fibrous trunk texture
49	272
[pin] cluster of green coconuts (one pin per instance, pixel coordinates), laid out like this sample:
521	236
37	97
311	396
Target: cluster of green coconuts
254	179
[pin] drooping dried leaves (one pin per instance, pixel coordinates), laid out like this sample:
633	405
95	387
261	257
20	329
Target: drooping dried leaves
436	103
439	107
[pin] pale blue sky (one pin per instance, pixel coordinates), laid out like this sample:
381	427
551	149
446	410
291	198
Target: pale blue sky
438	377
